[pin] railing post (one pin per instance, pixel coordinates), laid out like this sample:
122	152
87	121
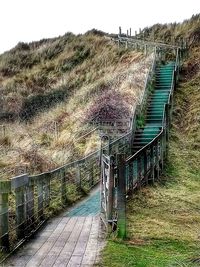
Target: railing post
78	177
145	167
152	164
121	200
19	184
91	177
157	160
139	170
64	199
46	187
5	189
40	198
30	204
20	211
110	188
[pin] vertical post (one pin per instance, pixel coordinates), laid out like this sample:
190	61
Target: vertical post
127	33
145	166
152	163
139	170
120	31
145	50
19	185
20	211
40	198
46	188
130	32
5	188
135	34
110	187
64	199
91	177
157	160
4	131
121	201
30	204
78	176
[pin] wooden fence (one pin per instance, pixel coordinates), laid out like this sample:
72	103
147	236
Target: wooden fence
142	167
26	201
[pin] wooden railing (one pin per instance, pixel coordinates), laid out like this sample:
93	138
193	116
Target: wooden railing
128	172
26	201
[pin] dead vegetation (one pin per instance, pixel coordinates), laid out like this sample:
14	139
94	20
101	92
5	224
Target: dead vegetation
47	102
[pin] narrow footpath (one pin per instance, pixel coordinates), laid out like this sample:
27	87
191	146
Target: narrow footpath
74	238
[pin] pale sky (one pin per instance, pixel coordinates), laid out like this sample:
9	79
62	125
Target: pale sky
31	20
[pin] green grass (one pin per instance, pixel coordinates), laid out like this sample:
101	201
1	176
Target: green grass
151	253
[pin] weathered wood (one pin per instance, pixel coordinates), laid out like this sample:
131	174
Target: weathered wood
121	199
64	198
110	188
4	223
40	197
152	164
20	211
30	207
139	169
145	167
120	31
46	188
78	177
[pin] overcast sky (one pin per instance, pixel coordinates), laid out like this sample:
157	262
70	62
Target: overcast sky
31	20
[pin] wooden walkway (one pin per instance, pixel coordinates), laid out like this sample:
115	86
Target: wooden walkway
72	239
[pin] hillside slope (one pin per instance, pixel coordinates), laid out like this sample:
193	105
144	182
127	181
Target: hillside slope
163	220
51	90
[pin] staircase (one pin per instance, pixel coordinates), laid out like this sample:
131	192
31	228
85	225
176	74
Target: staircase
155	107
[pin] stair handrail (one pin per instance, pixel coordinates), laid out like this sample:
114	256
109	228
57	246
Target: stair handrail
131	39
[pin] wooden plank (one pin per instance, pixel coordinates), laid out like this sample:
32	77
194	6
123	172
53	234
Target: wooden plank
121	197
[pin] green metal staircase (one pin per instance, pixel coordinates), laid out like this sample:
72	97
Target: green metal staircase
155	107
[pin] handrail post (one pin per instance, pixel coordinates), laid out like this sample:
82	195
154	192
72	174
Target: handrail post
19	185
152	163
64	199
30	204
5	189
121	199
40	198
110	188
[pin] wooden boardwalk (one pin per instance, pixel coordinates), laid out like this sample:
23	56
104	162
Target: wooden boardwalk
72	239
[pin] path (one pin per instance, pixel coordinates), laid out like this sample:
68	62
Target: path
73	239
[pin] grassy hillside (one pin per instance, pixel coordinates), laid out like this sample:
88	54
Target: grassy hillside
163	220
51	90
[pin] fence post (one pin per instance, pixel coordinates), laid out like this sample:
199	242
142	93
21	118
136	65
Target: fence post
30	204
20	211
121	199
78	177
46	189
145	50
145	166
120	31
40	198
152	163
157	160
91	176
64	199
19	184
5	188
139	170
110	188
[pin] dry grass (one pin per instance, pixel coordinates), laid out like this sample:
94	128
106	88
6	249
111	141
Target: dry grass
52	133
